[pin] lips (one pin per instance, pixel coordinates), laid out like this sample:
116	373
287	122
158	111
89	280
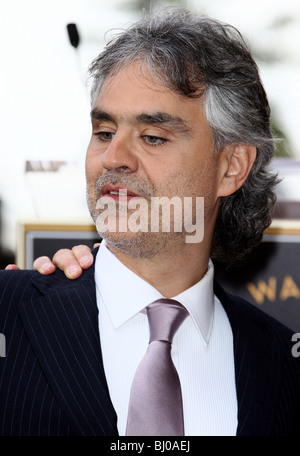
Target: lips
116	192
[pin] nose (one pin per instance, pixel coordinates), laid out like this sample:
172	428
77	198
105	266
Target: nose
120	154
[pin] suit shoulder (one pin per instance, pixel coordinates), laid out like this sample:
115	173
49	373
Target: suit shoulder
27	281
242	312
15	280
15	287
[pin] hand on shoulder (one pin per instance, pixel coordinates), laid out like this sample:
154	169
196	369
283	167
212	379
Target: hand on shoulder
71	262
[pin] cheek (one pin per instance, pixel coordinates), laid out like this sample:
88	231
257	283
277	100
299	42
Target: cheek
206	175
189	183
88	161
93	167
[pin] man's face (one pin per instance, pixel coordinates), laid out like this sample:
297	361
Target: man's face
147	141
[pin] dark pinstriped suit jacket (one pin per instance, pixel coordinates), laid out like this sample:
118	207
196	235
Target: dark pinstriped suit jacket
52	380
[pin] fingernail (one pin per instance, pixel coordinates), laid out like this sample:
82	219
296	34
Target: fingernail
46	268
73	270
85	261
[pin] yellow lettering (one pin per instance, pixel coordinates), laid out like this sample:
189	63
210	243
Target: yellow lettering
263	289
289	289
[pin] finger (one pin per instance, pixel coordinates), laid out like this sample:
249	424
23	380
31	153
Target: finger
83	255
10	267
65	260
96	244
43	265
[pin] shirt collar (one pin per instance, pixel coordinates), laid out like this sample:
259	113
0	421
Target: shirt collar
125	294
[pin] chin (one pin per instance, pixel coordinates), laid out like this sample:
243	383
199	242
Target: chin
143	244
125	241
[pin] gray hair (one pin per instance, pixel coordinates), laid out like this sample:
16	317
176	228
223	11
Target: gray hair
197	56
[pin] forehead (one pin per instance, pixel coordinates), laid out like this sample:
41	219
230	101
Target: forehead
134	91
134	79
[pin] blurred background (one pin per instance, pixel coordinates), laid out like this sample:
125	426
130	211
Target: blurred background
44	100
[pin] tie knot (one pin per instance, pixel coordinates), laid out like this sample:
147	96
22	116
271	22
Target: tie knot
165	316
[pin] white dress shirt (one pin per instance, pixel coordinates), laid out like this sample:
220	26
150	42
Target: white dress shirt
202	349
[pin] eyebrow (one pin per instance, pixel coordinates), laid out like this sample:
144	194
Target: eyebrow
156	118
97	114
163	118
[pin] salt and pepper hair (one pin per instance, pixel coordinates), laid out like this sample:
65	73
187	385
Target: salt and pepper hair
196	56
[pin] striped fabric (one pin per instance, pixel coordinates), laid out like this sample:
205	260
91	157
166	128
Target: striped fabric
52	380
267	374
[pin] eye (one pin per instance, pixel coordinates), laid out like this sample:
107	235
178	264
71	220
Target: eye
154	140
105	135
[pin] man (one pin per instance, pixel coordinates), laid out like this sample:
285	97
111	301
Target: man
178	111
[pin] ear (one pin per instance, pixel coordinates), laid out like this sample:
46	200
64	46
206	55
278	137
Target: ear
235	164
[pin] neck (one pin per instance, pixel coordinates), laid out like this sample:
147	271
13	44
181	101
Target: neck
170	272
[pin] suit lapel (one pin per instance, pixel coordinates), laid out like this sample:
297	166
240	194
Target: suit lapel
256	371
62	326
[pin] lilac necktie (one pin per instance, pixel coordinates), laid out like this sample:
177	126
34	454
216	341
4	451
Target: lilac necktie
155	405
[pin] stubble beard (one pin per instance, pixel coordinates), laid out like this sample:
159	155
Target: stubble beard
139	244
